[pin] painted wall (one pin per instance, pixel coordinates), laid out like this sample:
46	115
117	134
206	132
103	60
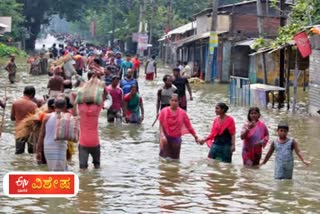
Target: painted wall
272	65
204	23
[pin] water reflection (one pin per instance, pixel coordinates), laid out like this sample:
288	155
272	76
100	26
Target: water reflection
133	180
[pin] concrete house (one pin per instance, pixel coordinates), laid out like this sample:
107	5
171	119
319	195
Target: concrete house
237	30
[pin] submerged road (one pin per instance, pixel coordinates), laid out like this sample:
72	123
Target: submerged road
132	179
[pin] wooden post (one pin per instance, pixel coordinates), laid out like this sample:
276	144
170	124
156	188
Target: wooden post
264	66
295	82
288	76
282	55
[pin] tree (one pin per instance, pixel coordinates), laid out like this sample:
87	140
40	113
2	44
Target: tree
38	12
119	19
13	9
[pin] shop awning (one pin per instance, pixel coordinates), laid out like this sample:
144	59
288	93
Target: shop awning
3	25
195	37
248	42
183	29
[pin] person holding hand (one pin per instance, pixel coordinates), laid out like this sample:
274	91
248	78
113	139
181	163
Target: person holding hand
174	122
221	139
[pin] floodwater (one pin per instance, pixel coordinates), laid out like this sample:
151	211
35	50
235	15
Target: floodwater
133	179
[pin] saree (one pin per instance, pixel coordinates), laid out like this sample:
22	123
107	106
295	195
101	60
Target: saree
256	139
220	139
133	108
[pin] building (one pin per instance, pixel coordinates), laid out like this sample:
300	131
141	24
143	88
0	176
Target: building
237	29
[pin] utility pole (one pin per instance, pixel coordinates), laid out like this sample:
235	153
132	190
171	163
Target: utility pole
260	29
282	56
209	76
141	26
260	17
150	26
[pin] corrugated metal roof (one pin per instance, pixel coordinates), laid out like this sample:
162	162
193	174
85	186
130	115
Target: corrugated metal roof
3	25
248	42
182	29
195	37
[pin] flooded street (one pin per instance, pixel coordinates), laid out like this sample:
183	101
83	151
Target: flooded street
133	179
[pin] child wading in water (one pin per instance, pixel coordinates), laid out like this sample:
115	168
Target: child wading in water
284	155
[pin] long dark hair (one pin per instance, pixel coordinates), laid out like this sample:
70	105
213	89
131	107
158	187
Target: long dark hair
223	106
256	109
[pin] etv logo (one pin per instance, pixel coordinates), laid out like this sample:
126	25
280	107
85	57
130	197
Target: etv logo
22	182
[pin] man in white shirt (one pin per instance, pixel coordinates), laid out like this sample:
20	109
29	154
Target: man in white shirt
151	69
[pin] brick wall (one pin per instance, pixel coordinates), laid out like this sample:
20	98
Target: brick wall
246	25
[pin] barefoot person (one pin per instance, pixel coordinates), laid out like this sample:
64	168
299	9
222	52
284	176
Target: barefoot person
284	147
20	109
255	136
221	139
11	67
174	122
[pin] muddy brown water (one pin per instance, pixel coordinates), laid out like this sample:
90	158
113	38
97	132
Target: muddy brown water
132	179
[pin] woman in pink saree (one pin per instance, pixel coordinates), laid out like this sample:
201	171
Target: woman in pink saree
174	122
255	136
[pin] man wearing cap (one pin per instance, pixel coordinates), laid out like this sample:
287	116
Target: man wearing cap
11	67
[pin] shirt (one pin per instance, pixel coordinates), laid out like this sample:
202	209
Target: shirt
126	85
116	94
108	79
136	63
151	67
89	116
180	83
166	94
125	65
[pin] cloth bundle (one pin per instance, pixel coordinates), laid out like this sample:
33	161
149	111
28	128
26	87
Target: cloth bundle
92	92
67	127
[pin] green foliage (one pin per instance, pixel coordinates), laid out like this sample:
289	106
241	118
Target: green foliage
13	9
260	43
303	13
123	16
6	51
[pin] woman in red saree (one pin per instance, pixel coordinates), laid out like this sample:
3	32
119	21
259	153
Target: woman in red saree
255	136
221	139
174	122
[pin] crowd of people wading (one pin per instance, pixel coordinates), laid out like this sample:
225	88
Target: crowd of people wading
85	79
